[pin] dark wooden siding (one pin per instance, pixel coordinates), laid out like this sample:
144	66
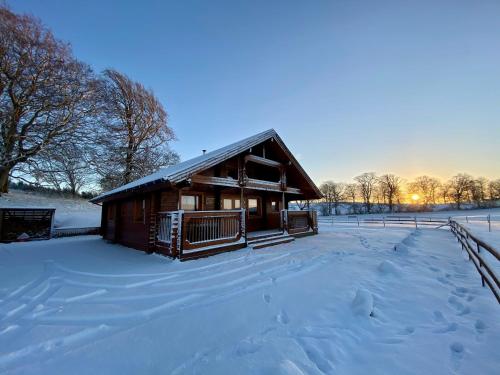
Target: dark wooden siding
132	232
168	200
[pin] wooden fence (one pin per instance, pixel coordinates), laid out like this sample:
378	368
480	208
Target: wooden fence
69	232
474	247
384	221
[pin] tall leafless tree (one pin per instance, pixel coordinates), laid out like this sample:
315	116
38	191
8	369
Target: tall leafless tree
45	93
494	190
133	136
460	187
391	188
366	186
350	193
426	188
479	190
333	193
65	167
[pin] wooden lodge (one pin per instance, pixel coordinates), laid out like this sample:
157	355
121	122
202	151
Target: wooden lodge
227	199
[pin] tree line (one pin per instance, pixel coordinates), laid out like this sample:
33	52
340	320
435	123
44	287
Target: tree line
390	192
66	127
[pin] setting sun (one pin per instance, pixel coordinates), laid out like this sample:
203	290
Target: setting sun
415	197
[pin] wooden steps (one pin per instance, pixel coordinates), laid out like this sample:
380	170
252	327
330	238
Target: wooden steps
269	239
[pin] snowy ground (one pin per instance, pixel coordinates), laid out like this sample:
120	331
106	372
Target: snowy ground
342	302
75	213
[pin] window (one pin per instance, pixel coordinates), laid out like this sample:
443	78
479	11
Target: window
275	206
253	207
190	202
139	206
231	204
227	204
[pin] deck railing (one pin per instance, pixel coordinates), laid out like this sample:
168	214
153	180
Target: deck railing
186	234
164	234
473	246
209	228
301	221
179	233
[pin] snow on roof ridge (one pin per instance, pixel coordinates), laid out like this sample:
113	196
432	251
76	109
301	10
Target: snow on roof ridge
178	170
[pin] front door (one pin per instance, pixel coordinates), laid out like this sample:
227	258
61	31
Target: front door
256	214
273	214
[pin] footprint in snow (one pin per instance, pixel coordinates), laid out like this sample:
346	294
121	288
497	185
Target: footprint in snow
267	298
407	331
247	346
459	306
457	349
439	317
480	326
452	327
282	318
443	280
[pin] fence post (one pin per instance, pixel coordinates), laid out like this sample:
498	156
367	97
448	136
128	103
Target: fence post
489	222
480	263
416	225
467	219
383	218
357	218
243	226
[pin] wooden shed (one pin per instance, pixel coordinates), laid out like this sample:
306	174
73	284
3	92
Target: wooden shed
26	223
222	200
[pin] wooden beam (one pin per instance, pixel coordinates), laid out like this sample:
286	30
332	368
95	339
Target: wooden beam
263	161
220	181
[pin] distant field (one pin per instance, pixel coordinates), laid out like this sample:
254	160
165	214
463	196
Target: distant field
69	212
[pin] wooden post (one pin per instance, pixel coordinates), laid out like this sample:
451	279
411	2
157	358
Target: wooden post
489	222
480	263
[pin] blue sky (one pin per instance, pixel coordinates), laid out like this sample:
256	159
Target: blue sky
407	87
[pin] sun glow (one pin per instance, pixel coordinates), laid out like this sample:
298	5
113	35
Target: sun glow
415	198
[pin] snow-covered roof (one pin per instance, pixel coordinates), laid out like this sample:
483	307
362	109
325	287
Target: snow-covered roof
185	169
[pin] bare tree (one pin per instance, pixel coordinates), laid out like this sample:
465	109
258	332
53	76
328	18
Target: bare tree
45	93
65	167
478	190
426	188
390	186
460	188
350	192
333	193
366	185
134	136
494	190
445	192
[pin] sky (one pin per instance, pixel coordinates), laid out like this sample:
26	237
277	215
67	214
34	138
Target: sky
404	87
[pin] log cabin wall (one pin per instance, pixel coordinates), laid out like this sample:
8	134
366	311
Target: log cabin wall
127	221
